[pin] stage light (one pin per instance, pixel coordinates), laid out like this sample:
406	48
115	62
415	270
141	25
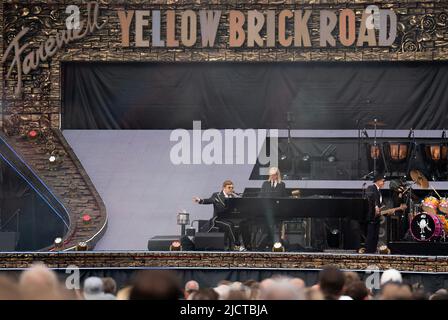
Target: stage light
398	151
278	247
58	242
306	157
86	219
436	152
384	249
375	152
33	134
54	160
295	193
183	219
81	246
331	159
176	246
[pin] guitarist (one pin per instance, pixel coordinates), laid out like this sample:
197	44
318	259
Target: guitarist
375	200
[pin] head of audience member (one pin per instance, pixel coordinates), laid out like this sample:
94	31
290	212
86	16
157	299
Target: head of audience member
110	286
9	290
190	287
395	291
313	293
350	277
441	294
227	187
418	292
275	175
391	275
254	288
331	282
280	289
298	283
204	294
94	290
357	290
123	294
223	291
39	283
155	285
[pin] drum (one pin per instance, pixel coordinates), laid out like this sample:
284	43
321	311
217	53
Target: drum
430	205
444	222
426	227
443	205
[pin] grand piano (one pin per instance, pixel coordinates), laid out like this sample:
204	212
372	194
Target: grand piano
279	209
318	211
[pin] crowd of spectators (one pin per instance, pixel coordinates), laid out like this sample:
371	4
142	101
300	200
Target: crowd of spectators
41	283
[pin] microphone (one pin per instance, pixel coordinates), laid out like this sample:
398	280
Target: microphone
410	133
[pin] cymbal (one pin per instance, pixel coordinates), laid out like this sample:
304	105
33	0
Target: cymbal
419	179
378	123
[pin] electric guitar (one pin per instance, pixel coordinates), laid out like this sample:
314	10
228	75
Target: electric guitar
392	210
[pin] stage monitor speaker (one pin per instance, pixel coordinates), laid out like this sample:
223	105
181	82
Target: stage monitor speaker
161	243
8	241
207	241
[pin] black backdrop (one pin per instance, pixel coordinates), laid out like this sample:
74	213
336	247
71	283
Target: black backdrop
322	95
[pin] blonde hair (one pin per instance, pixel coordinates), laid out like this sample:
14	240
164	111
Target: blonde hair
275	170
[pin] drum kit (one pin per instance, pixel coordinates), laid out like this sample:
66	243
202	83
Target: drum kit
429	220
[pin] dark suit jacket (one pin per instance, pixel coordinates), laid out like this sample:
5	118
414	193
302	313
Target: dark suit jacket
267	191
373	196
218	199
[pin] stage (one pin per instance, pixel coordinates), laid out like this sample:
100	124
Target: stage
225	260
211	267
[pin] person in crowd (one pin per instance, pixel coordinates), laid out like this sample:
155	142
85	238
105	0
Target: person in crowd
281	289
94	290
391	275
110	286
395	291
331	282
190	287
155	285
357	290
204	294
40	283
9	290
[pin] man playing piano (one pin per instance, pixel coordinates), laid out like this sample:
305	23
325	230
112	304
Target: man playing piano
218	199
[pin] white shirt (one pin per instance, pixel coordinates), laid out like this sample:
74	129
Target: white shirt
274	184
381	196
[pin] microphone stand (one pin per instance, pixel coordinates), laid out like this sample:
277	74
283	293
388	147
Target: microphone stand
414	150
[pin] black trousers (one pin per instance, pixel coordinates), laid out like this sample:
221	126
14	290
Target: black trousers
373	231
232	232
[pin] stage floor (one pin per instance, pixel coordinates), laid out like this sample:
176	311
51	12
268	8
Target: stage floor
225	260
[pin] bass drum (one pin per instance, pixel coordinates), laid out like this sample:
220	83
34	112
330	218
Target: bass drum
426	227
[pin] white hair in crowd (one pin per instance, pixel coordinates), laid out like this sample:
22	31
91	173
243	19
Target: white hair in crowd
391	275
281	289
39	283
223	291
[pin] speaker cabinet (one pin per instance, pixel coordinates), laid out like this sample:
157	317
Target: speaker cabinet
208	241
